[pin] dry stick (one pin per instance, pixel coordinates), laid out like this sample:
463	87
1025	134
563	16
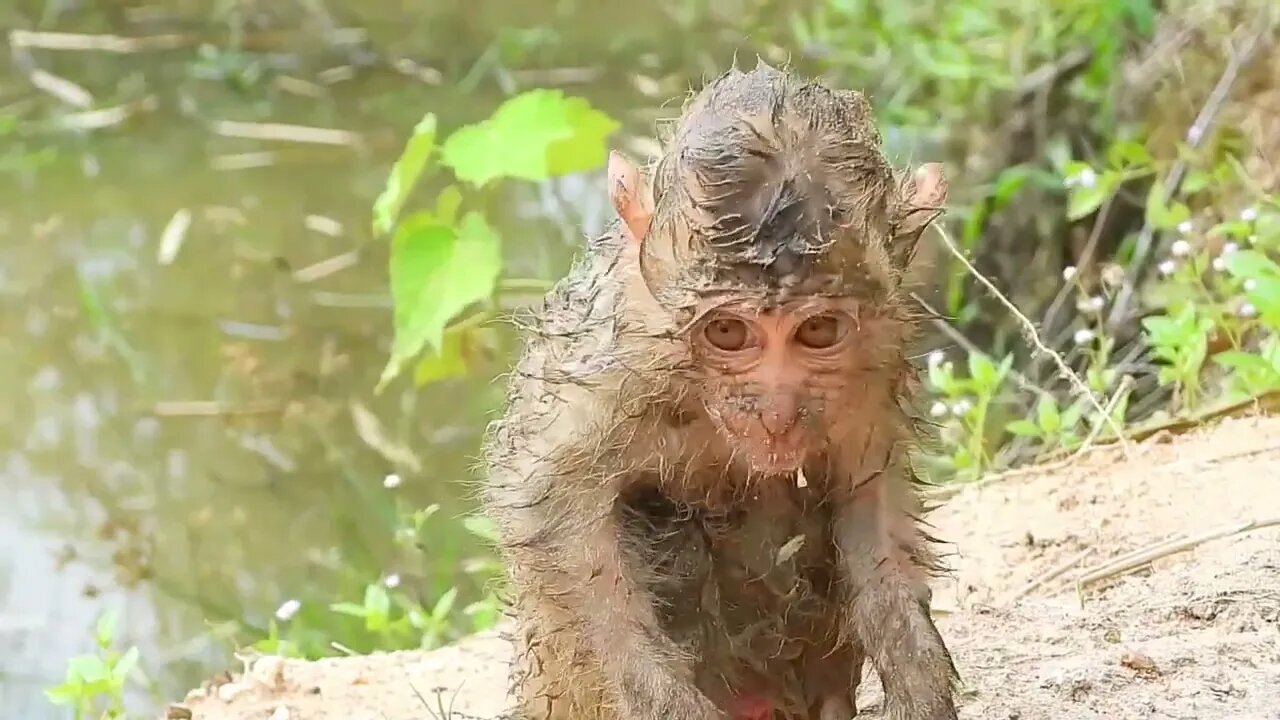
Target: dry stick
1144	556
1033	337
1053	573
214	408
1195	135
94	43
285	133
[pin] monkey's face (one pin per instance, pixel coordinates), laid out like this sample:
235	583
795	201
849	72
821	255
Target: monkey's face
770	378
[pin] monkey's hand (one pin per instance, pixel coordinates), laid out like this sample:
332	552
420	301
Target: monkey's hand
651	678
889	611
568	553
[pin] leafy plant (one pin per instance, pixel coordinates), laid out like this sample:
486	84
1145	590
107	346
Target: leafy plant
967	403
393	614
94	684
1051	425
447	259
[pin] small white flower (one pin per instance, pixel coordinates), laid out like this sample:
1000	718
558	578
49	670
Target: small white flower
392	580
287	610
391	481
1249	214
1248	310
1181	248
1185	227
936	357
1087	178
1167	267
1113	275
1084	336
1219	264
961	406
1250	285
939	409
1090	304
1229	248
1068	272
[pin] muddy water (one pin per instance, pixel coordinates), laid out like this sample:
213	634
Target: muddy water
181	443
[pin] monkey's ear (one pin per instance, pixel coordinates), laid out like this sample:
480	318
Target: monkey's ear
923	200
631	196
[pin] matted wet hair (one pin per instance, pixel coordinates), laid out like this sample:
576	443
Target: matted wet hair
768	179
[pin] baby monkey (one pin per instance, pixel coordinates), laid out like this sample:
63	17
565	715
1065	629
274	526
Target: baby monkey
701	482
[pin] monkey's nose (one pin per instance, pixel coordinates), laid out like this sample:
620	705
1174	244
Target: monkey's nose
780	416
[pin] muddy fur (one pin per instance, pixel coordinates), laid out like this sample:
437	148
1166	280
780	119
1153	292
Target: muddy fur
651	576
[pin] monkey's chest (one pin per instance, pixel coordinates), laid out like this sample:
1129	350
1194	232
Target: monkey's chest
751	592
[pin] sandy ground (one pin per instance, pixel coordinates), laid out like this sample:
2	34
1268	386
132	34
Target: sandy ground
1192	634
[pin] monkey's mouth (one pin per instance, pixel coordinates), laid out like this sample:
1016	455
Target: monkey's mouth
776	455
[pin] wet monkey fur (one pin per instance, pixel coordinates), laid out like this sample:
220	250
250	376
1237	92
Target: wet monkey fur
701	481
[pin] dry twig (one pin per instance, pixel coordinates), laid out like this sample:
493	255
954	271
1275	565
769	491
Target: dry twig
1048	576
1145	556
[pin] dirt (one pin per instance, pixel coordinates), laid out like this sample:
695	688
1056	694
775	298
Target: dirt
1193	634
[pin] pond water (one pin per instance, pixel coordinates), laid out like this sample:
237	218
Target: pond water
189	439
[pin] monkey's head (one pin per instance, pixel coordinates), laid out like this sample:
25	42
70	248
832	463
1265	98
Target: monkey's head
777	237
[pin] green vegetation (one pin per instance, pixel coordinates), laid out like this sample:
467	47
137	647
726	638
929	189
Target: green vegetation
1145	257
95	684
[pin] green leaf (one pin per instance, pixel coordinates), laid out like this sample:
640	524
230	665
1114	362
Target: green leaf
376	600
347	608
447	204
448	362
1072	415
437	270
585	149
1024	428
1008	183
125	665
1241	360
444	606
481	526
1047	415
404	175
532	136
1196	181
86	669
105	630
982	370
1251	264
1128	153
64	694
1085	200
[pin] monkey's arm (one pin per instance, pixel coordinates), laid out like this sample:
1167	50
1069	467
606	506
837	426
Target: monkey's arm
569	556
885	558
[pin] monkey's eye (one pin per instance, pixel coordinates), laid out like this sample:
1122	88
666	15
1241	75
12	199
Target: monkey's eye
819	332
728	334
